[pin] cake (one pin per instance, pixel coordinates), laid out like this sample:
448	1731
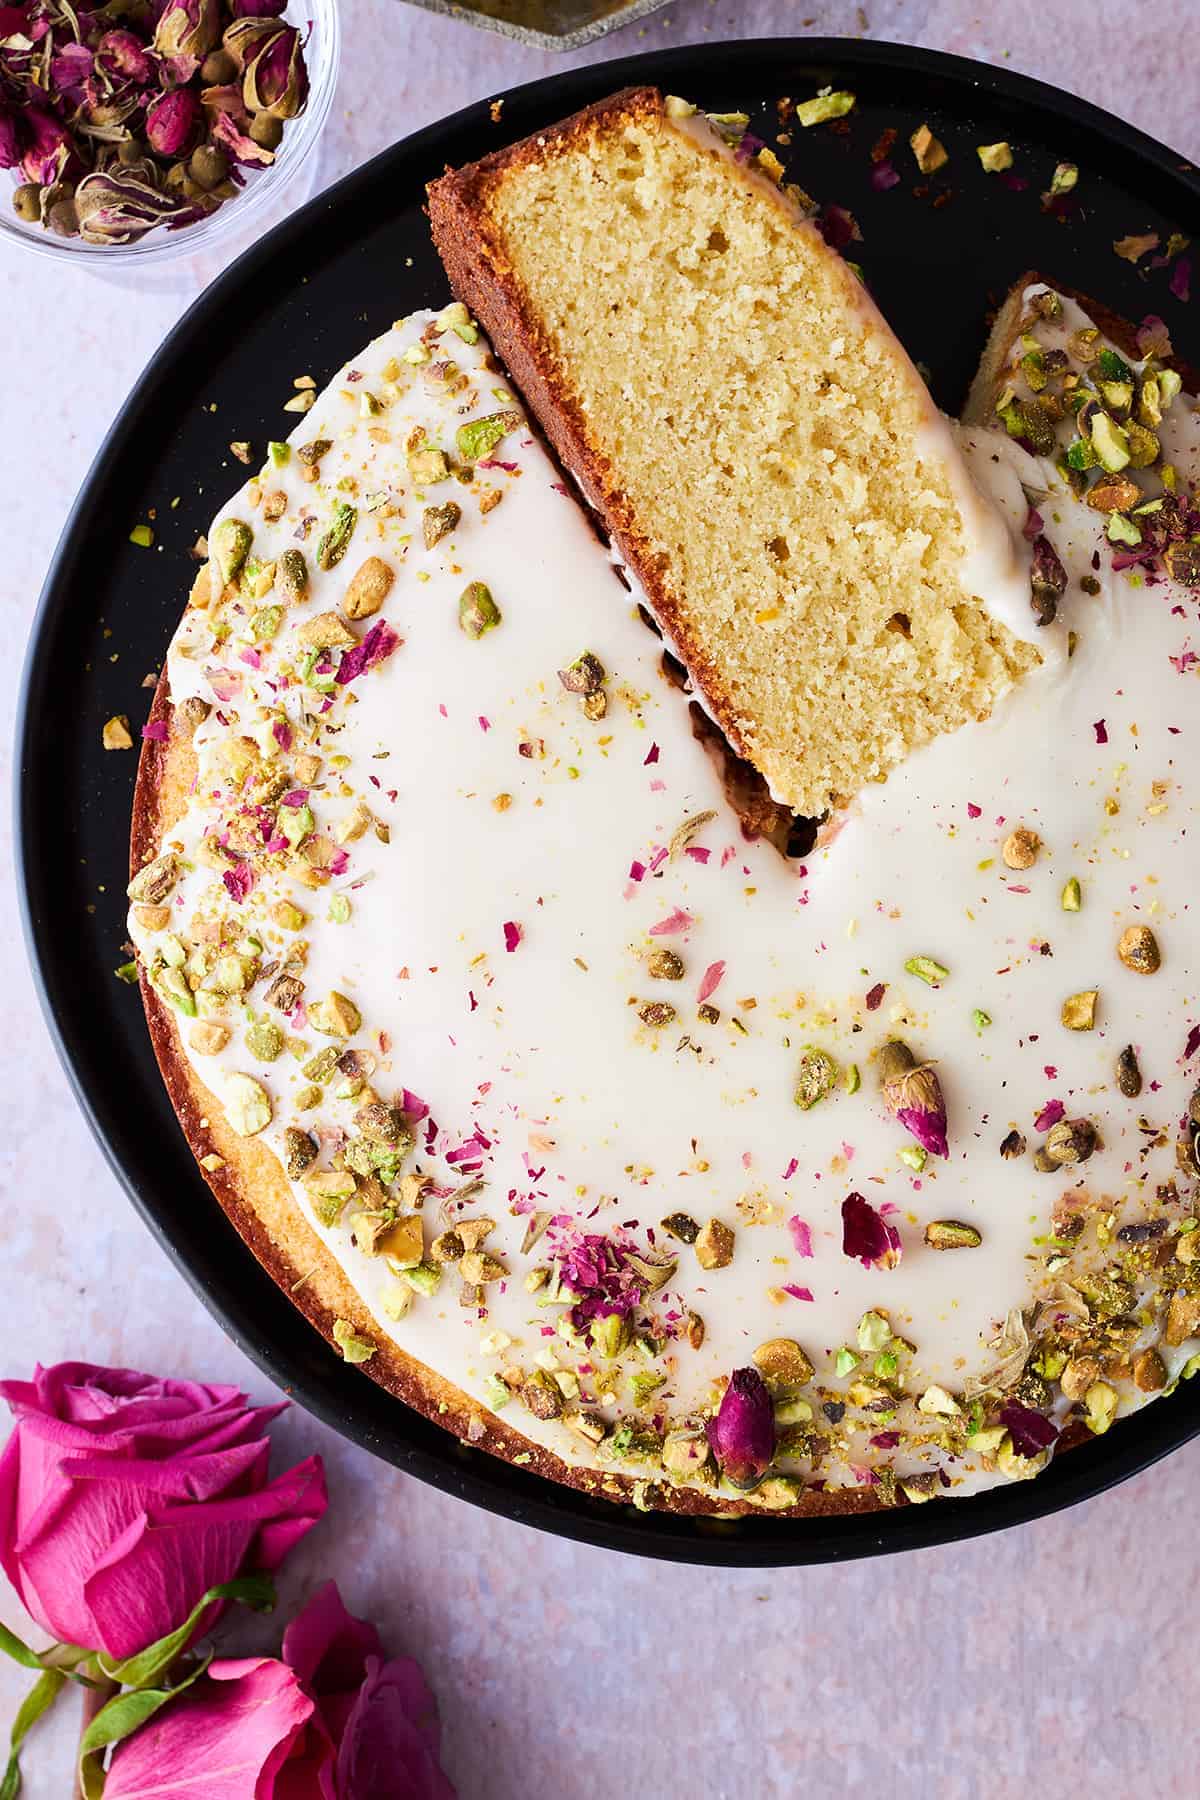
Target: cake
581	1118
755	439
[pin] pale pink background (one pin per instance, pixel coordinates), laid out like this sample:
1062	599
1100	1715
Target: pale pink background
1058	1657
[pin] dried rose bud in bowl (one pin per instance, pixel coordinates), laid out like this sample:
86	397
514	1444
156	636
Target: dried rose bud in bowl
163	129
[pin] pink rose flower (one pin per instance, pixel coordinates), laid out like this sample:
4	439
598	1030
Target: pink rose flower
335	1720
123	1499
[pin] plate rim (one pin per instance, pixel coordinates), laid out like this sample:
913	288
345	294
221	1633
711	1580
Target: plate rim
339	1399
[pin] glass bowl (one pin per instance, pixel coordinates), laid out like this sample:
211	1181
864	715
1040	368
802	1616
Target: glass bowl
236	218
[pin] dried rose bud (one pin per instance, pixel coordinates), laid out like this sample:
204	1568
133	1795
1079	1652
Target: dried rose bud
867	1235
742	1436
276	81
915	1100
257	9
172	123
124	56
188	28
246	38
50	153
118	208
1047	580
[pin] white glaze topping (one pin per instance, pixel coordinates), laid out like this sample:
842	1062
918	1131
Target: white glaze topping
531	1053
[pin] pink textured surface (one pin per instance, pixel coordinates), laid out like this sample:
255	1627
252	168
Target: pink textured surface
1055	1656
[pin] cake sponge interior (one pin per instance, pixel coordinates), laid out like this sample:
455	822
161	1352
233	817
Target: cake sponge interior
755	437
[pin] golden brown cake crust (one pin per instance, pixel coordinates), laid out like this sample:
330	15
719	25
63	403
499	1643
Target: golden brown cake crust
254	1194
482	277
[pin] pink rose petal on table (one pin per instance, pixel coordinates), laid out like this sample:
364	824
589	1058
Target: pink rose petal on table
801	1235
512	935
710	981
1051	1113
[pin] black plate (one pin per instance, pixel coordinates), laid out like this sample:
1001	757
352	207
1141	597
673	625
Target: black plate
331	277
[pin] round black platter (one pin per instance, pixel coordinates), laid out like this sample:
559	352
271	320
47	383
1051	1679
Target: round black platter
330	278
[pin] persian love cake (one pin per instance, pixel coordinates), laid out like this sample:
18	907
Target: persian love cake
628	1147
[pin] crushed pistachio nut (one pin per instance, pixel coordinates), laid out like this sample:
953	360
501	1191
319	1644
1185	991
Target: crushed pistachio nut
354	1349
1138	950
1071	898
335	1017
664	965
930	153
477	611
682	1226
828	104
1079	1010
995	157
247	1105
369	588
952	1234
714	1245
116	733
438	522
816	1077
1020	848
781	1360
926	969
1129	1074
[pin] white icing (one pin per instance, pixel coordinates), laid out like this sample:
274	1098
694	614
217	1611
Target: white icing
584	1109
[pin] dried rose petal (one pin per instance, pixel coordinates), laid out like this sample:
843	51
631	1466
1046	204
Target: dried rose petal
1031	1432
70	71
867	1235
915	1100
11	139
257	9
172	123
742	1436
121	54
248	37
241	147
188	28
1047	579
379	642
50	153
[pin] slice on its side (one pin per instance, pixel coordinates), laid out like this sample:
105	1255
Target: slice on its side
764	454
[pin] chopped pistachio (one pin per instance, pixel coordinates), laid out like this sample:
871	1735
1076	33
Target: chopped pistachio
264	1041
913	1156
335	539
142	536
656	1013
479	437
477	611
664	965
369	588
845	1361
335	1017
715	1245
354	1349
428	466
951	1234
208	1037
425	1278
438	521
682	1226
782	1360
874	1331
1100	1404
1071	898
1138	950
116	734
229	546
247	1105
824	106
1129	1074
1020	848
1064	178
1079	1010
980	1019
995	157
936	1401
930	152
291	575
816	1077
927	970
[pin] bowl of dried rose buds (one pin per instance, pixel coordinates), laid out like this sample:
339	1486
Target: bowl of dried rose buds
153	128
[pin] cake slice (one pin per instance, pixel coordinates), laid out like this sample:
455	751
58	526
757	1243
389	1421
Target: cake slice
761	450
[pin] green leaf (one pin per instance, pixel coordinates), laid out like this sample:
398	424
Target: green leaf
142	1670
58	1656
12	1646
39	1699
118	1720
